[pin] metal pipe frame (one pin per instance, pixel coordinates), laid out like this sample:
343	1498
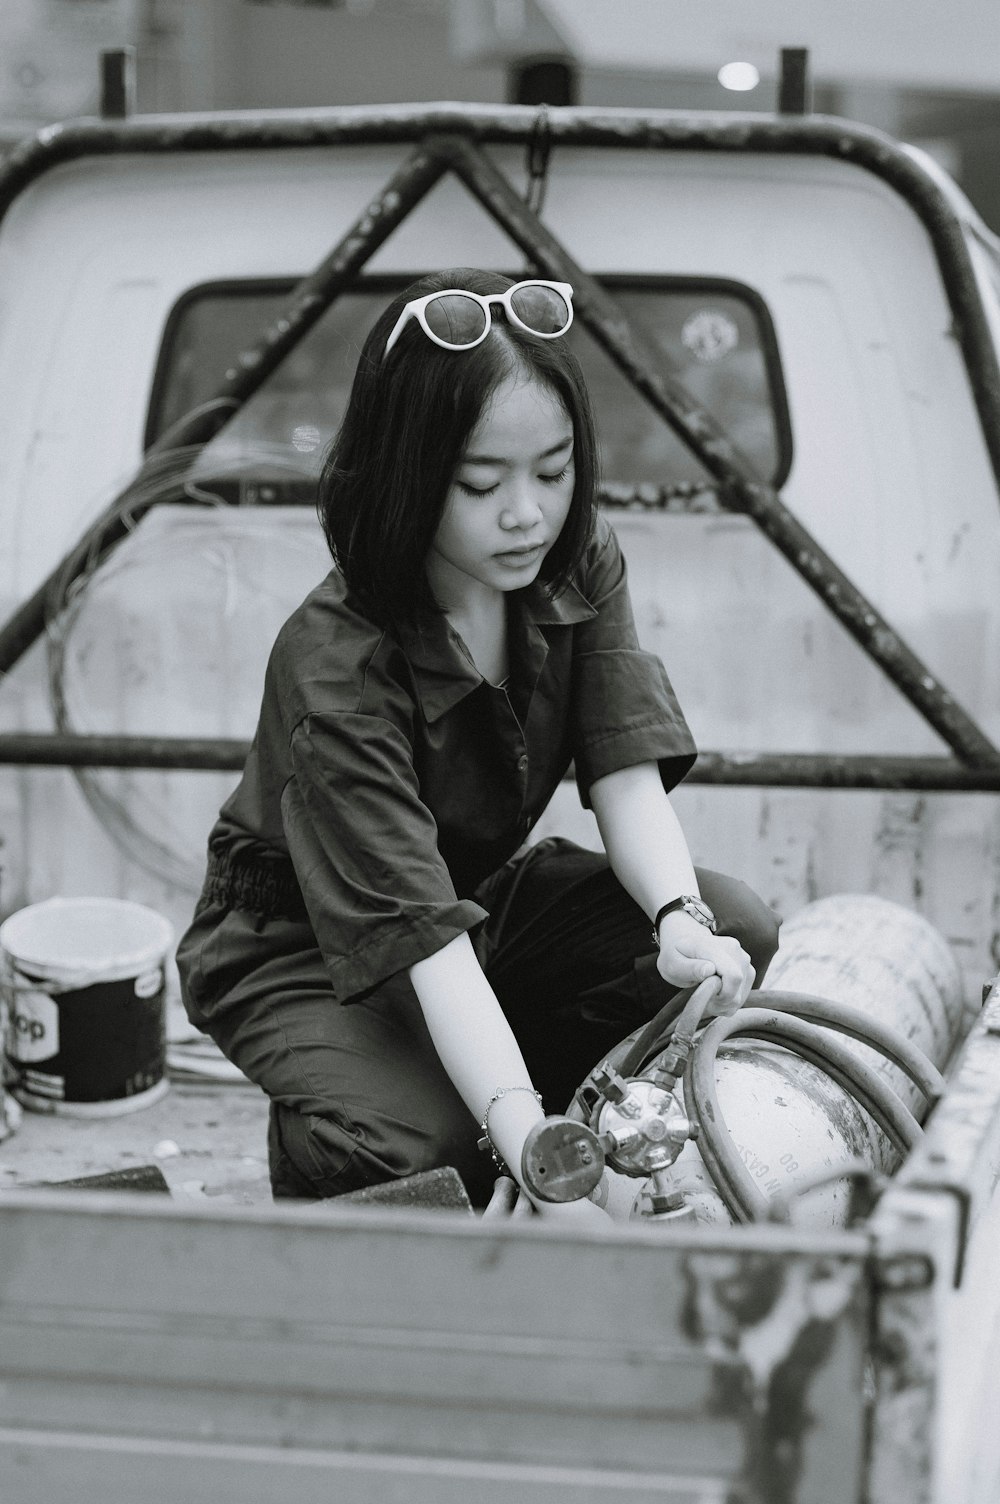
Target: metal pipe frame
310	299
979	760
804	770
648	371
516	125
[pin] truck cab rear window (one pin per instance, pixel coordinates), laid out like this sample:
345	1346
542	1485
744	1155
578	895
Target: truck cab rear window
717	336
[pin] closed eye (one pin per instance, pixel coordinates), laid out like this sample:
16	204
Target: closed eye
553	480
477	490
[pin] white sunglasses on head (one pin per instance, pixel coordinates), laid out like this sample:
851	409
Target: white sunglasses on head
460	320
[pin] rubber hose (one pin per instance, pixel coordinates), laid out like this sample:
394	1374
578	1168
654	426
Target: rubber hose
877	1098
720	1156
798	1021
811	1042
871	1031
655	1035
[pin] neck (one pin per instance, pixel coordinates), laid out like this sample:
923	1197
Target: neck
482	626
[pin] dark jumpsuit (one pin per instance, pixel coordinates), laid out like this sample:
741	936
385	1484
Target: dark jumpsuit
383	811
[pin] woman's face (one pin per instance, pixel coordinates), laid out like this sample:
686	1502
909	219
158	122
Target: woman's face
509	498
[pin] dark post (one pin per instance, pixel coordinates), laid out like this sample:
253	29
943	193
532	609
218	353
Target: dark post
117	83
793	86
543	80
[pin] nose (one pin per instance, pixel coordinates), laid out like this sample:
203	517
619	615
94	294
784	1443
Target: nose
522	509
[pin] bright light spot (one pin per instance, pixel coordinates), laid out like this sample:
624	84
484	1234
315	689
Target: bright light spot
305	438
739	76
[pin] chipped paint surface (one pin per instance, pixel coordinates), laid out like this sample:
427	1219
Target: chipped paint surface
704	1369
935	1342
773	1324
914	1241
960	1152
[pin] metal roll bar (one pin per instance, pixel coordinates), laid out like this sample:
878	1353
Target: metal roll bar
451	139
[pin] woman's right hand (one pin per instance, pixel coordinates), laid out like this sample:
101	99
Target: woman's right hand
690	954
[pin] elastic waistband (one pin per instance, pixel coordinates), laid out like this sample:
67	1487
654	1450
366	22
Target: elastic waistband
259	884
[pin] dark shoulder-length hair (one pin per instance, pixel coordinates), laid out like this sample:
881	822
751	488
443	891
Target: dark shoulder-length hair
409	417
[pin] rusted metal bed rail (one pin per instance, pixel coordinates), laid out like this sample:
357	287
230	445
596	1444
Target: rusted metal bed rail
936	775
459	151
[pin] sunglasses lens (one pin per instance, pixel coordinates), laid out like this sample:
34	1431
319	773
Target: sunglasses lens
542	309
456	319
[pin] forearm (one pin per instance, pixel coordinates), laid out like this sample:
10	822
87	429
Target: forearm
649	856
478	1050
476	1045
642	836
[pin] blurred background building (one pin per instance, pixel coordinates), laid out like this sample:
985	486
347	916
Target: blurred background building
926	72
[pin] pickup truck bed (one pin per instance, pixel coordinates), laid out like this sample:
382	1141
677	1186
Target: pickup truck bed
208	1141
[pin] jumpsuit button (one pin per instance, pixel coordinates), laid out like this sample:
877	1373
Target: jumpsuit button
522	763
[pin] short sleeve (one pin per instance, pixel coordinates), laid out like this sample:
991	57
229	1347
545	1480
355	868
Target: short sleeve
624	708
364	848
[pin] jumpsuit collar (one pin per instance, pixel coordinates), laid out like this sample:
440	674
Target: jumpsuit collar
443	672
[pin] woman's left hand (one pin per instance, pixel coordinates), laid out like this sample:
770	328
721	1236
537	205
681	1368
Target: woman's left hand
689	953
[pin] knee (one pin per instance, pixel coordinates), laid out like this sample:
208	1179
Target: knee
757	931
315	1157
743	914
309	1157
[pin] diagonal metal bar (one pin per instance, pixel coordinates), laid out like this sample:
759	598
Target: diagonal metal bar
310	299
647	369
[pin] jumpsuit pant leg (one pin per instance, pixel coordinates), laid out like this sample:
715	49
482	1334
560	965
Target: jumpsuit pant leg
358	1094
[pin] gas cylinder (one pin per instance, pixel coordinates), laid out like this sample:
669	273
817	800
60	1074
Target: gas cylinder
791	1123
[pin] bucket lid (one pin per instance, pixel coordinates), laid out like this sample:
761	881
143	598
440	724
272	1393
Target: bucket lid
83	938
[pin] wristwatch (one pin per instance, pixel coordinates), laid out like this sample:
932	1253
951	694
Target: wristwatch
696	907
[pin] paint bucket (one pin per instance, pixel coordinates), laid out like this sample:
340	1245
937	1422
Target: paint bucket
86	1028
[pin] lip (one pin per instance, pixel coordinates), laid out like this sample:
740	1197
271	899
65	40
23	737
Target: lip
520	557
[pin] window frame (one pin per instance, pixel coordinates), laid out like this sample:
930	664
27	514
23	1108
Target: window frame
387	284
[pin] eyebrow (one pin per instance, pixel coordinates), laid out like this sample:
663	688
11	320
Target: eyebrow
489	459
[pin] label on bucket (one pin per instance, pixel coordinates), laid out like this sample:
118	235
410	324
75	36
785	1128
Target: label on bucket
33	1030
98	1044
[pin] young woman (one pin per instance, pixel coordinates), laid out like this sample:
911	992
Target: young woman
375	944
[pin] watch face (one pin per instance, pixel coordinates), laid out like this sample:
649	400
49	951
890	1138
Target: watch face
700	911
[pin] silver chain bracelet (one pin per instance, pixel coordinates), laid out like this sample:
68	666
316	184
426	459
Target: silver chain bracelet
486	1143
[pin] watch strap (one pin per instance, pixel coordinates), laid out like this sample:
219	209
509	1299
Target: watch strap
696	907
